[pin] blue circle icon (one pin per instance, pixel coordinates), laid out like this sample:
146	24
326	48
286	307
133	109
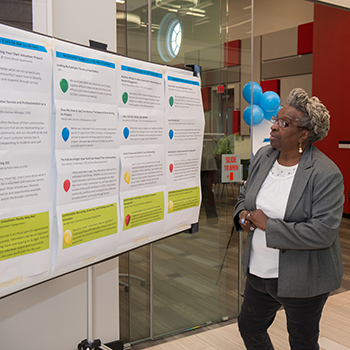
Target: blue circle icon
126	132
65	134
171	134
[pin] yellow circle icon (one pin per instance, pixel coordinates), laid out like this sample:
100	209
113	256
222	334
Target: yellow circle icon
67	237
170	205
127	176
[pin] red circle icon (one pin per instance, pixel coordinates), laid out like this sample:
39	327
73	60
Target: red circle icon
171	168
127	220
66	185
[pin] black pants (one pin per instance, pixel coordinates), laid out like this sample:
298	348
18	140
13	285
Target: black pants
259	309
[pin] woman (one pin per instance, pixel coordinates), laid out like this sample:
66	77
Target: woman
291	206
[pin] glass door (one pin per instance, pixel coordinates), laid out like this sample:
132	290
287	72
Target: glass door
191	279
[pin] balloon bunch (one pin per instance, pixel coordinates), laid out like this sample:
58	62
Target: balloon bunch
265	105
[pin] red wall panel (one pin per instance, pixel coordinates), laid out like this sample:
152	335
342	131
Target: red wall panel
305	38
206	97
236	122
232	53
271	85
330	83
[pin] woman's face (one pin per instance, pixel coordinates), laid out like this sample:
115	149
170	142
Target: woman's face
286	139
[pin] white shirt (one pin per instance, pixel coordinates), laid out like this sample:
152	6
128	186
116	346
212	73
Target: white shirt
272	200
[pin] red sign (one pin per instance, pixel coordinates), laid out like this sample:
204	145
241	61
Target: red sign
221	89
230	168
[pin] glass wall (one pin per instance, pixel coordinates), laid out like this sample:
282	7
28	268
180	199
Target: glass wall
191	279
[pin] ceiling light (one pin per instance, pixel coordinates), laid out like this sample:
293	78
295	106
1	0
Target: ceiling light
196	10
154	26
183	7
176	3
134	21
195	14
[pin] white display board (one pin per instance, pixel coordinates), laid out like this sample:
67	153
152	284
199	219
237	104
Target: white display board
99	154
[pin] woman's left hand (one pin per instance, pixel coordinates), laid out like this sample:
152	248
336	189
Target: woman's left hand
258	218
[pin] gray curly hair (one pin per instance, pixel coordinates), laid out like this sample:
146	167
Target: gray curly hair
315	115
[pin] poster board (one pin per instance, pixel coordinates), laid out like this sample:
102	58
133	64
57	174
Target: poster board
100	154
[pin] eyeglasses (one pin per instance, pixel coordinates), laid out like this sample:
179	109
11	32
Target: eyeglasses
283	124
280	122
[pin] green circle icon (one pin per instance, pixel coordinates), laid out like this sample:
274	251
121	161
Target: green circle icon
125	97
171	101
64	85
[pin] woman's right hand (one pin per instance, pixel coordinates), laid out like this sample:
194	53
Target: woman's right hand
244	221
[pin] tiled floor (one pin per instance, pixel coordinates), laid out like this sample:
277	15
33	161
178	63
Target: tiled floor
335	332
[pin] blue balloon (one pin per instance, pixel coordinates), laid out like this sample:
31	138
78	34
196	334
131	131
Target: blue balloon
268	115
171	134
247	92
65	134
269	101
258	115
126	132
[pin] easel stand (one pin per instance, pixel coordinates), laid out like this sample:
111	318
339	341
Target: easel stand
90	343
240	255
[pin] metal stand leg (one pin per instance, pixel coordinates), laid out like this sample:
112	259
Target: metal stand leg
151	294
240	282
90	302
223	261
90	343
240	255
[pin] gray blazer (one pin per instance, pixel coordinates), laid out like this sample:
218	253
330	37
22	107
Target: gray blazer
310	261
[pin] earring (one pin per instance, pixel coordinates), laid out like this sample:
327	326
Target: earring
300	148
